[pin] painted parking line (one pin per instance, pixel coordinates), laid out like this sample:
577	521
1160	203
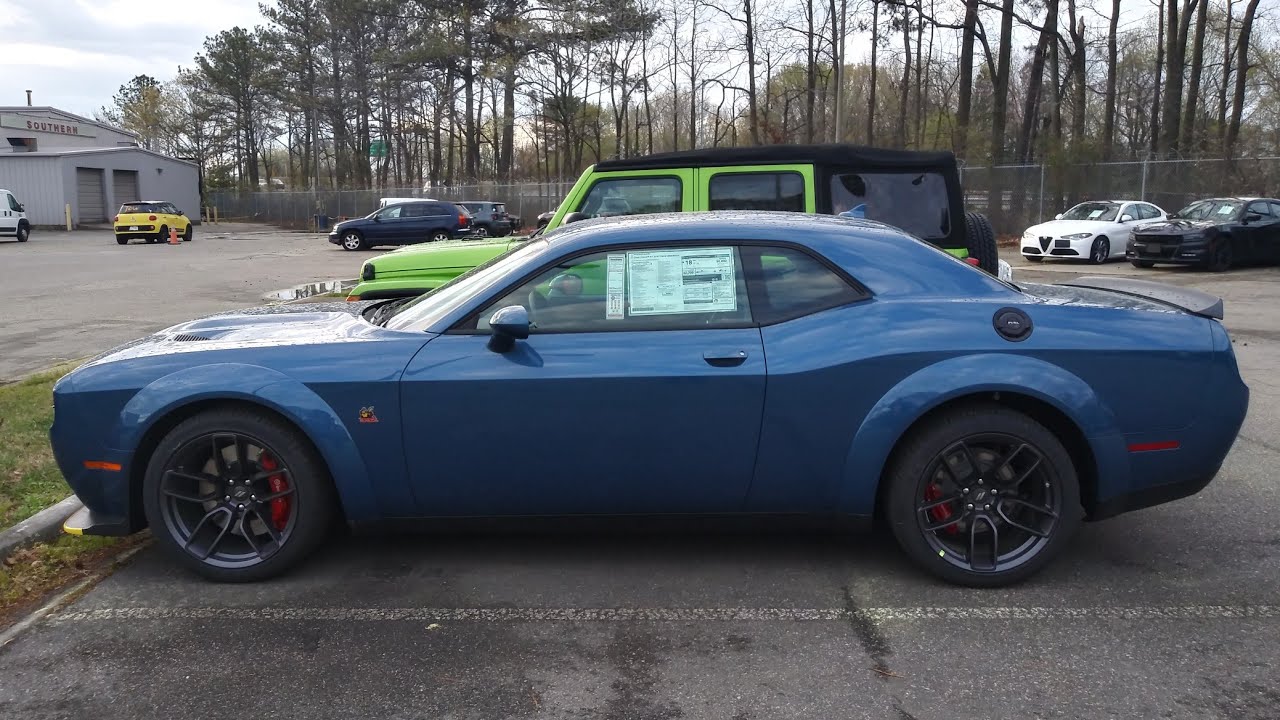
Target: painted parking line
587	615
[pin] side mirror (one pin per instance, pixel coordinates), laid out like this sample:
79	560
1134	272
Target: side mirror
1252	217
509	324
1126	218
1058	216
574	217
181	213
22	208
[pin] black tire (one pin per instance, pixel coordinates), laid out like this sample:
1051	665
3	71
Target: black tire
122	241
1220	257
162	236
1034	258
917	468
1142	263
483	231
438	236
186	236
981	241
353	240
1100	251
24	232
311	498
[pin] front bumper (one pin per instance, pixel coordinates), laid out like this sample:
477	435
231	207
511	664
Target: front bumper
1168	250
1060	247
88	522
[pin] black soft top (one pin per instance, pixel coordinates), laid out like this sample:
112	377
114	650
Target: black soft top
827	154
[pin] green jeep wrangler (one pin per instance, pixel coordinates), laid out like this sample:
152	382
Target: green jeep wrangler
918	192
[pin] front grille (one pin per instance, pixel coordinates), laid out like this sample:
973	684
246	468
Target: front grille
1045	242
1060	243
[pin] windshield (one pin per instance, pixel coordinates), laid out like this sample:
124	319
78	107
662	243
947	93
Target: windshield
429	308
1098	211
1208	210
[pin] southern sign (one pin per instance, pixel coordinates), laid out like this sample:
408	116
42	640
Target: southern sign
46	125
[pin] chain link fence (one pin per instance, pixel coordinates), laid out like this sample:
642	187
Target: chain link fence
1013	196
299	209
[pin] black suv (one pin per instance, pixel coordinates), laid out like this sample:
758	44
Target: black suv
490	218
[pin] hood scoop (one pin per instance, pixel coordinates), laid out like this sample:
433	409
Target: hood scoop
188	337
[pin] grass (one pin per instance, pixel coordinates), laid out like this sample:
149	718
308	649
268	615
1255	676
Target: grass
29	478
32	575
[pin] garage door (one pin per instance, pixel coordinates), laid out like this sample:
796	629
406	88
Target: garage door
124	186
89	191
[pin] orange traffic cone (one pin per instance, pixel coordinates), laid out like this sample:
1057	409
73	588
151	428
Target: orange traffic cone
173	237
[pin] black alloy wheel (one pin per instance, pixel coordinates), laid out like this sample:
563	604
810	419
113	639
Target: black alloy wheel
1100	252
984	496
1220	255
236	495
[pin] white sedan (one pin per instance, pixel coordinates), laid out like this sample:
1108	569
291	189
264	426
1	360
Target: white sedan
1096	231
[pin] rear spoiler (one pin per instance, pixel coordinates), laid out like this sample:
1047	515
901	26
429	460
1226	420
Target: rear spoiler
1193	301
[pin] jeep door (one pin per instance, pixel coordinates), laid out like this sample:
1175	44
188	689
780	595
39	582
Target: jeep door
788	188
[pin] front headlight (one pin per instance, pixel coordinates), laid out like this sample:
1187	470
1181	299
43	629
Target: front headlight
1028	235
1077	236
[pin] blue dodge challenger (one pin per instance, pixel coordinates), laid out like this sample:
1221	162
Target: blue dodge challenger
722	364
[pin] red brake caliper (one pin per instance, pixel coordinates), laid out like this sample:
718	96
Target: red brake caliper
280	505
941	512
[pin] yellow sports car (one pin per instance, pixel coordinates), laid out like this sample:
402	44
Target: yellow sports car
150	220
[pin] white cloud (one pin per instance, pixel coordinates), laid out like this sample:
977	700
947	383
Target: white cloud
75	54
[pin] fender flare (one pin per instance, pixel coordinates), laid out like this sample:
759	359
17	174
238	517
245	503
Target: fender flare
261	386
930	387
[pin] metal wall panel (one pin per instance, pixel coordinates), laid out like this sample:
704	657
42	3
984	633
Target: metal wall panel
90	195
38	184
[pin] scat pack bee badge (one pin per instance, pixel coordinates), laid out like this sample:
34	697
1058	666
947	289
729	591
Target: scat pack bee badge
367	415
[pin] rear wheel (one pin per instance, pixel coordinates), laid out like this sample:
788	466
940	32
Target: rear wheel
122	241
439	236
1142	263
162	236
981	241
1100	252
237	495
982	496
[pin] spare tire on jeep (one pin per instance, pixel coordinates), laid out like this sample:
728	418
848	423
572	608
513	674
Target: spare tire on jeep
981	241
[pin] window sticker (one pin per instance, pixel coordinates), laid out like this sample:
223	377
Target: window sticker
615	286
684	280
1226	210
1096	214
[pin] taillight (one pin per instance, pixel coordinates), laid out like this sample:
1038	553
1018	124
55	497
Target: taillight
152	217
462	221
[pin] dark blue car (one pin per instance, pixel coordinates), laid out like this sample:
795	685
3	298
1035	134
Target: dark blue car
722	364
403	224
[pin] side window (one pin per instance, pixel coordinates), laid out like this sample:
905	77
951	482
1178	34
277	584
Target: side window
918	203
682	288
1148	212
756	191
788	284
391	213
415	210
1275	207
13	203
1261	209
633	196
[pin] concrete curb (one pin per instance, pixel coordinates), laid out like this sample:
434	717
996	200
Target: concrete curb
41	527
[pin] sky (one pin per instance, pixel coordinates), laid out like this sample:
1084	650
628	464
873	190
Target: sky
75	54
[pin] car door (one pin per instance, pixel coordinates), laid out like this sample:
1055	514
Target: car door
639	390
414	225
1122	232
386	226
1251	236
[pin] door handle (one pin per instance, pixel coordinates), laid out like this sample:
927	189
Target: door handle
721	358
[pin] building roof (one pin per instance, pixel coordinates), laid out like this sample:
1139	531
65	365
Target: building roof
829	154
28	110
93	151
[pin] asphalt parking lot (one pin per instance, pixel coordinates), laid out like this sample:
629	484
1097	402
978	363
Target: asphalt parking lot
1170	612
73	294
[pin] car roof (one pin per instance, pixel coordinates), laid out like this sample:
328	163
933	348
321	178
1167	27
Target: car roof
872	252
825	154
480	202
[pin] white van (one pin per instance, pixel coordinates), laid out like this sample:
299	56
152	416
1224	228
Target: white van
392	201
13	217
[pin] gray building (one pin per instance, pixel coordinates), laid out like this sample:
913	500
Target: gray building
53	158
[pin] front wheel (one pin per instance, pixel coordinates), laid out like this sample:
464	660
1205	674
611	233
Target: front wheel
1100	252
1142	263
982	496
1034	258
237	495
482	231
24	233
352	240
1220	256
186	236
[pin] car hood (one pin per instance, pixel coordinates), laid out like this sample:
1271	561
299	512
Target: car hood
273	326
444	254
1175	227
1058	228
